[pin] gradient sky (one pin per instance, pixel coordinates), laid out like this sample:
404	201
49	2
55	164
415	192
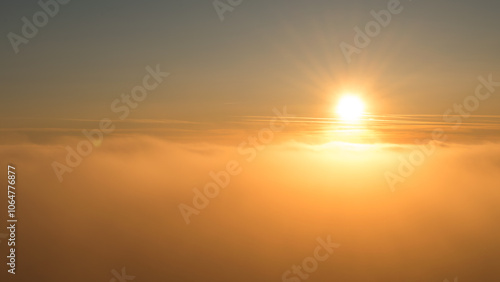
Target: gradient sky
264	54
119	206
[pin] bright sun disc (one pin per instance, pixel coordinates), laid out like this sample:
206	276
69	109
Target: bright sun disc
350	108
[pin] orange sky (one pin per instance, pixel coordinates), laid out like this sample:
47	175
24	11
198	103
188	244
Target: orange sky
187	145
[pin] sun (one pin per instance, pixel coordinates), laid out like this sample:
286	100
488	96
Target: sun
350	108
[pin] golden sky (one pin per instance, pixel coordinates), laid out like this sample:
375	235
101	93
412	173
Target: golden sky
118	114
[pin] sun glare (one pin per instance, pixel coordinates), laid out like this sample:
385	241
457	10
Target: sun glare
350	108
